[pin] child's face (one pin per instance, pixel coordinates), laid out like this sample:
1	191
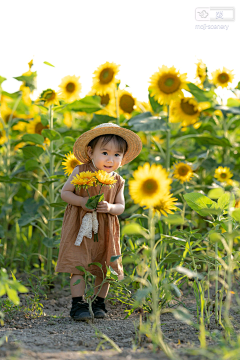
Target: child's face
106	157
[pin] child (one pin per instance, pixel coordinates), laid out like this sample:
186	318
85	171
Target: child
105	147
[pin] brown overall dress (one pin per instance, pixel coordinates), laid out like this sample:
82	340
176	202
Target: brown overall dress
108	244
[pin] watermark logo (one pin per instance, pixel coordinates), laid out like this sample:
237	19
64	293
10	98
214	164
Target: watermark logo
215	14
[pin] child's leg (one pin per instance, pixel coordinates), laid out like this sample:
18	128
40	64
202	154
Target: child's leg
104	289
77	290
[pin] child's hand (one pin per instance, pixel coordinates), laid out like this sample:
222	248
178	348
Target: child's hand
83	203
104	207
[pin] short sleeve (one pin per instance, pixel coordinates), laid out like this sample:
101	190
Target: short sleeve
121	184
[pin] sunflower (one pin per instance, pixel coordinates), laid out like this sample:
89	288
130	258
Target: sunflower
3	138
70	88
67	119
35	126
104	178
182	172
126	103
49	97
223	174
5	111
165	205
30	64
201	72
167	85
149	184
144	107
26	95
222	78
104	79
186	111
84	180
70	163
20	126
107	101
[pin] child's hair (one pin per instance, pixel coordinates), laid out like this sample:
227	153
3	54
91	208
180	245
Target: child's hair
121	143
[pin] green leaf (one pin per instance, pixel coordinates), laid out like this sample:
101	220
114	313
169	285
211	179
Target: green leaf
13	296
224	200
31	165
47	63
26	219
202	204
93	201
113	258
48	242
2	79
35	138
32	151
215	193
99	119
142	293
236	214
175	290
1	232
233	102
69	140
190	274
61	204
174	219
13	96
199	94
132	229
7	179
52	135
81	268
154	104
89	104
148	123
226	109
214	237
213	140
44	120
96	264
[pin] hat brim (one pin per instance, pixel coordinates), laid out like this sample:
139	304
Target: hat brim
133	140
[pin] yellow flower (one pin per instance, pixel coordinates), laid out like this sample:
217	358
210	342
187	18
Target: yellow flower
104	178
167	85
21	126
26	95
223	174
104	79
84	179
222	78
35	126
165	205
149	184
67	119
19	145
182	172
107	101
5	111
126	102
144	107
201	72
49	97
30	64
70	163
237	203
70	88
3	138
186	111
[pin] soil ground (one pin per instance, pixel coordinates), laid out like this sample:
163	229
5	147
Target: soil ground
54	335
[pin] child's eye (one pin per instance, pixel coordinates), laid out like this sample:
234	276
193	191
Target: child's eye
117	154
104	152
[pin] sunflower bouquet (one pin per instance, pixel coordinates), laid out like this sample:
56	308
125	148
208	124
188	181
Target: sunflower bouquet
85	180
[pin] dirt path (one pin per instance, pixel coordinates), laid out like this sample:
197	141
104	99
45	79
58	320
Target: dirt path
56	336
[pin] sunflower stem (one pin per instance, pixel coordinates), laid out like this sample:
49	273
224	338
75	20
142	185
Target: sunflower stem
168	137
51	195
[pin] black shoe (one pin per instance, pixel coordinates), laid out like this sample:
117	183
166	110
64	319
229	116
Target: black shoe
98	308
80	311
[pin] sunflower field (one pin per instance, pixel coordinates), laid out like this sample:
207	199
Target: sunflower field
180	230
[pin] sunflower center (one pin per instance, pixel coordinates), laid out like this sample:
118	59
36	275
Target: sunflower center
223	175
169	83
39	127
188	108
73	163
105	99
106	76
50	95
150	186
183	170
70	87
223	78
127	103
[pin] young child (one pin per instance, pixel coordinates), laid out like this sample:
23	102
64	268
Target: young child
105	147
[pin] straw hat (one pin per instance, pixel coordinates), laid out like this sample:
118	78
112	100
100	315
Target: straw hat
132	139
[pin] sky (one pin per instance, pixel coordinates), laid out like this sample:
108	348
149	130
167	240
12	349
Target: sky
77	36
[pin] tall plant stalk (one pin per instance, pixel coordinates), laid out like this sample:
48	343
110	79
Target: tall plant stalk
168	137
51	196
